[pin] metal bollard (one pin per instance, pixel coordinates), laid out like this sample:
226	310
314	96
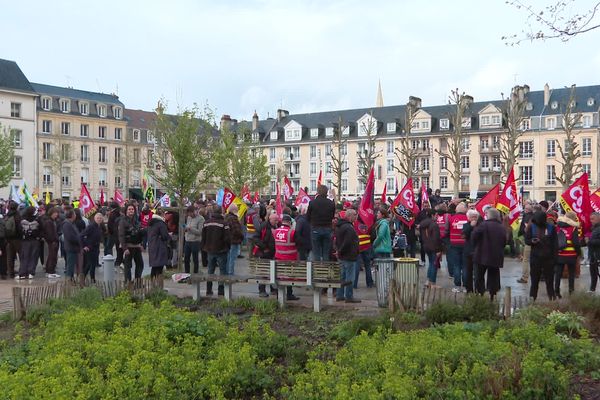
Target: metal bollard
108	263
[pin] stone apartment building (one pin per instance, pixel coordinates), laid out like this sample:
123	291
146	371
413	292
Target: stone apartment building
301	144
18	116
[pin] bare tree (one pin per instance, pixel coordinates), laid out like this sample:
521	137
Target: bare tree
132	160
367	158
405	154
62	157
513	113
339	151
570	153
460	102
7	155
557	20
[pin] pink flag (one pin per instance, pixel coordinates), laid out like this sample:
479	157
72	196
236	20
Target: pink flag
302	198
228	197
288	190
86	204
405	206
365	210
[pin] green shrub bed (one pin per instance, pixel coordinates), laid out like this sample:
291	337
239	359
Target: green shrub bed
125	349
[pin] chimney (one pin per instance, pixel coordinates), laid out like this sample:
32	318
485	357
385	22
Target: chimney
546	94
159	107
281	114
255	121
414	102
225	122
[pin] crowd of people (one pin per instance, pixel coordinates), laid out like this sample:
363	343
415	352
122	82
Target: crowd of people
446	232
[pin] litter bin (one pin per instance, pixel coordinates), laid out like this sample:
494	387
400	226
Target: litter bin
108	264
406	273
384	270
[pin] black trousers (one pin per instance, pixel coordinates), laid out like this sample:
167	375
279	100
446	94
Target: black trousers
469	273
537	269
558	270
594	275
493	279
135	255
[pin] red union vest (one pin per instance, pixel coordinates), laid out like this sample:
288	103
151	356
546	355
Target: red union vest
285	248
250	224
364	236
456	229
441	221
569	232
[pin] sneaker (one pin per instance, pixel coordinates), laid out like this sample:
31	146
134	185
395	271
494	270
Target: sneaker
52	276
353	301
456	290
521	280
30	276
263	294
19	277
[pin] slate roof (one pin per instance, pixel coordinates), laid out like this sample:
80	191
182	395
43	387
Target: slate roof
139	119
11	77
384	115
76	94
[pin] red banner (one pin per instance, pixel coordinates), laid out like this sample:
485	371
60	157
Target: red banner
278	205
424	197
245	195
508	201
119	198
101	197
302	198
228	197
288	190
320	180
384	194
86	203
256	197
405	206
365	210
577	198
489	200
595	200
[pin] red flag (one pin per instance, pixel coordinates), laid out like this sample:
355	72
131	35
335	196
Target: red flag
320	180
424	196
489	200
365	210
86	203
302	198
245	195
278	205
595	200
288	190
256	197
405	206
228	197
384	194
102	196
577	198
508	201
119	198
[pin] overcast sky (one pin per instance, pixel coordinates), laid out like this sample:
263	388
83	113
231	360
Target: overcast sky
304	56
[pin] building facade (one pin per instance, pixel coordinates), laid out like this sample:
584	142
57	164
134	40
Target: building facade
141	146
301	145
18	117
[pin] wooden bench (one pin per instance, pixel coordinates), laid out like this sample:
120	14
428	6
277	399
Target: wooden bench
313	274
227	280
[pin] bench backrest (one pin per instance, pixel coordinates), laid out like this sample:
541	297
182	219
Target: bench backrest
322	271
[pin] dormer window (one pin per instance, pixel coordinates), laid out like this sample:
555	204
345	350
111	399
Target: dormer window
65	105
150	137
273	135
345	130
84	108
590	101
391	127
293	134
46	103
136	135
254	137
314	133
444	124
466	122
101	110
529	106
495	120
329	131
117	112
485	120
554	105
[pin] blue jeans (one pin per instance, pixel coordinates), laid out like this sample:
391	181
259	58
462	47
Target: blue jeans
456	260
70	264
214	260
348	273
321	243
382	255
234	250
431	269
190	252
366	258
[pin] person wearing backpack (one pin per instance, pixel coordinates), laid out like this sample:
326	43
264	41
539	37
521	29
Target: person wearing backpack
12	224
541	236
569	249
30	244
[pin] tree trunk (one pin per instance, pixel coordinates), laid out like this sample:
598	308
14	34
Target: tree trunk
180	238
456	186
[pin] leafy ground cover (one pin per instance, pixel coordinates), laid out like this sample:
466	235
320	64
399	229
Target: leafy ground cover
169	348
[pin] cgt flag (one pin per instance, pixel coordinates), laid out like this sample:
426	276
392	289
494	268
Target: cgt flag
365	209
595	200
86	203
119	198
508	202
302	198
245	195
405	206
288	189
577	198
489	200
230	198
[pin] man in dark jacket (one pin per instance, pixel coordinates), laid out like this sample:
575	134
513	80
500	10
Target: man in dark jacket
594	250
90	239
72	243
130	240
112	226
320	213
527	214
237	237
12	223
216	240
431	243
264	246
303	229
50	235
489	239
346	241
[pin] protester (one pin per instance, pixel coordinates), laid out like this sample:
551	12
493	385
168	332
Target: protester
172	220
347	253
50	235
285	246
145	216
541	236
456	250
489	239
12	224
30	246
193	237
441	218
72	243
112	226
264	246
594	250
90	240
320	213
158	244
303	230
130	240
429	231
382	245
365	252
3	272
569	226
216	240
474	219
237	237
525	219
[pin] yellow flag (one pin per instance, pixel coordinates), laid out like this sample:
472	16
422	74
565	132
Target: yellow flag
242	207
47	198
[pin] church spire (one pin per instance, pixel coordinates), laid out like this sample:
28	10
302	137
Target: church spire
379	101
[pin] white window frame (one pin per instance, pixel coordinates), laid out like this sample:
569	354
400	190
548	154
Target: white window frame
46	103
84	175
293	134
586	147
444	124
17	138
84	130
17	166
15	110
102	132
526	173
465	163
443	182
84	107
314	133
65	128
46	151
101	108
389	145
47	126
329	131
495	119
118	133
118	112
136	135
551	148
102	155
273	135
484	120
586	120
65	105
272	154
392	127
84	153
550	174
47	176
102	177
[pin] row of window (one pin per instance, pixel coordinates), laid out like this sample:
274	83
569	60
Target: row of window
526	174
66	177
84	107
66	154
526	148
84	130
